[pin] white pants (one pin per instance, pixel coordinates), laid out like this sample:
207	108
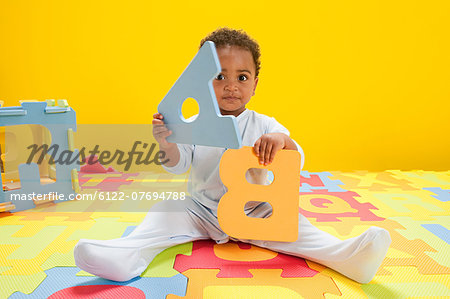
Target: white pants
171	223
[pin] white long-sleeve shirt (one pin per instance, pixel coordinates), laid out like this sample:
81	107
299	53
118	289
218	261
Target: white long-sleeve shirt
205	185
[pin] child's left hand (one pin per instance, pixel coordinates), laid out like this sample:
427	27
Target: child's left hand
268	145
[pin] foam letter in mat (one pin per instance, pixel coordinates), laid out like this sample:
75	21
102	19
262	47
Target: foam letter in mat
282	195
209	128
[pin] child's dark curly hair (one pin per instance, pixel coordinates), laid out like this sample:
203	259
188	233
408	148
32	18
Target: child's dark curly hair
231	37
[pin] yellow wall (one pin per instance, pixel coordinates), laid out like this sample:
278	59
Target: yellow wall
360	84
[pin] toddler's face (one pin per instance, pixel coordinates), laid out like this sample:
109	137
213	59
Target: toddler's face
236	84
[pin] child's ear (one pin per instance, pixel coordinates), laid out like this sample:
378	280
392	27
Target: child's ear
254	87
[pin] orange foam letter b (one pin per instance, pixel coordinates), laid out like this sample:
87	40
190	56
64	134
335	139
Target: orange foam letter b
282	195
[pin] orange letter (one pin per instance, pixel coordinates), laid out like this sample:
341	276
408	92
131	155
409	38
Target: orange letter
282	194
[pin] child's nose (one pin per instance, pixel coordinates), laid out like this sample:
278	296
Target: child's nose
231	85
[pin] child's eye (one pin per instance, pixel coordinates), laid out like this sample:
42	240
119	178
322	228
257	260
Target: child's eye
220	77
242	78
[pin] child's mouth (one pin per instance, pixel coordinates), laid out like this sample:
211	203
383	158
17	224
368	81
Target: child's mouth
230	98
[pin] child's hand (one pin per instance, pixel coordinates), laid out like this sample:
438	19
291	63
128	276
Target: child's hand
160	131
268	145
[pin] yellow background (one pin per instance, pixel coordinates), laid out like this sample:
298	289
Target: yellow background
360	84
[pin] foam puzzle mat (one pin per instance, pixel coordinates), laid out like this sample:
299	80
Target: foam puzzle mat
36	246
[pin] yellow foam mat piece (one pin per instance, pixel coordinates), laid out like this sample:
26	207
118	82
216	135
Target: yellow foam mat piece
249	292
307	287
19	283
347	287
424	179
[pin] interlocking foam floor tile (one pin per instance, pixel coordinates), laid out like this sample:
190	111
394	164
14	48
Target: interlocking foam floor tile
415	228
424	179
144	188
87	179
347	287
329	206
406	290
105	181
128	230
35	215
440	194
26	245
19	283
423	257
373	181
206	255
399	285
160	182
415	265
58	259
348	227
162	264
307	287
35	246
64	278
69	207
156	182
135	217
310	181
419	205
403	251
439	231
407	282
249	292
133	195
102	229
32	242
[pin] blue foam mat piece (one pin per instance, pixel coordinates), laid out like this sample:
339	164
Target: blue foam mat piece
441	194
328	184
59	278
439	231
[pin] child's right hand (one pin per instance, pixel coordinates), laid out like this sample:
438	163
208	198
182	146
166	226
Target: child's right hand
160	131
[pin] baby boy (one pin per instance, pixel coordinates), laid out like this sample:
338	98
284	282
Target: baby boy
170	223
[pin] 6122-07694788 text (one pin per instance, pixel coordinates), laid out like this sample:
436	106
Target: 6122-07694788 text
136	195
